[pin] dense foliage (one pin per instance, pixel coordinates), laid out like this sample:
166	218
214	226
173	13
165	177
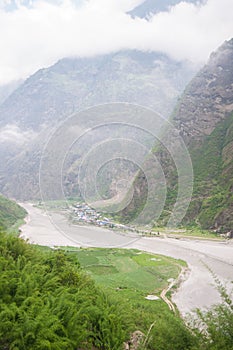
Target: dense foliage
217	323
212	198
10	212
132	275
48	302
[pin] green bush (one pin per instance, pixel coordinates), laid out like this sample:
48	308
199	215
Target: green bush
48	302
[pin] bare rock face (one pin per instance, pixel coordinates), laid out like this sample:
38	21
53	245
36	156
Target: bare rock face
208	99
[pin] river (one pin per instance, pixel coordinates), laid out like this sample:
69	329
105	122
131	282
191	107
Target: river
205	258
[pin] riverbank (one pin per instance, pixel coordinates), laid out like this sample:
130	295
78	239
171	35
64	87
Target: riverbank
197	291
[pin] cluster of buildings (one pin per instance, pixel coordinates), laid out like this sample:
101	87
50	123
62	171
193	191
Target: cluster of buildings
82	212
85	214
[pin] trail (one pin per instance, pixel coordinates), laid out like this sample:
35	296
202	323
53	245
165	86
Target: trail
174	282
167	301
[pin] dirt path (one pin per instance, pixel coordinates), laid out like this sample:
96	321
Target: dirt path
167	301
174	282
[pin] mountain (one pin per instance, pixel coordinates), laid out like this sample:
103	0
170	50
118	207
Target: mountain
72	84
203	118
151	7
49	96
7	89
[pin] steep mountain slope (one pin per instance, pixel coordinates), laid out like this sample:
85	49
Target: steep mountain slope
10	212
73	84
208	99
7	89
150	79
204	119
212	204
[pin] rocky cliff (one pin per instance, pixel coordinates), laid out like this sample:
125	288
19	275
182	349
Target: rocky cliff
203	117
209	97
205	120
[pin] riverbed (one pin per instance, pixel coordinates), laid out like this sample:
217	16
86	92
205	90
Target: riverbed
206	259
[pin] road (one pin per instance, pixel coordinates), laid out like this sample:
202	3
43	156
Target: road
197	290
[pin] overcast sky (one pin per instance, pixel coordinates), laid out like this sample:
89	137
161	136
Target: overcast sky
36	35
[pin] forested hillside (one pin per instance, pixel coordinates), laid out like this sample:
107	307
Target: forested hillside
10	212
48	302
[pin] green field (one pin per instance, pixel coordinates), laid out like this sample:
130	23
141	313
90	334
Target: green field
131	274
187	232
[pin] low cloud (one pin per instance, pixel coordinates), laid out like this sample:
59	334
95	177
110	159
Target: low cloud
14	135
38	35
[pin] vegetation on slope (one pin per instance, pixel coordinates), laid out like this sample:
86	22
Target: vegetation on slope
203	117
10	213
48	302
212	200
216	323
133	275
211	206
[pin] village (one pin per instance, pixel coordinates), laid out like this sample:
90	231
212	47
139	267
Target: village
83	213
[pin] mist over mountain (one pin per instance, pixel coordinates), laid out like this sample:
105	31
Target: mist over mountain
72	84
51	95
150	7
31	112
204	119
183	30
116	144
7	89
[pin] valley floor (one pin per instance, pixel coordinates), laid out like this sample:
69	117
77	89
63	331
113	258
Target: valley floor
205	259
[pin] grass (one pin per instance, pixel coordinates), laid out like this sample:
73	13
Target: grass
14	229
133	273
189	232
129	276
